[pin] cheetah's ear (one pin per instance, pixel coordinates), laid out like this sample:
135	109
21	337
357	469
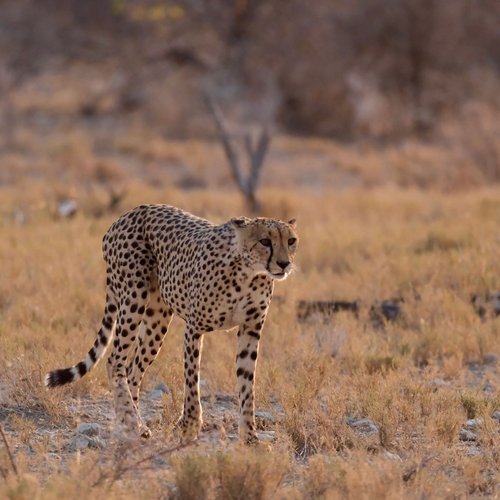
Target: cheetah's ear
292	222
239	222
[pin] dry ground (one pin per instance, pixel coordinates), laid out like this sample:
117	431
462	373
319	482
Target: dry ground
417	380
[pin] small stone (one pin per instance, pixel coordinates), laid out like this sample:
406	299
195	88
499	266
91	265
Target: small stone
161	387
491	358
364	426
87	436
265	415
155	394
82	442
79	442
96	442
267	436
392	456
159	391
466	435
486	305
474	451
225	398
278	410
388	310
160	462
474	423
488	388
439	382
89	429
67	208
496	415
20	217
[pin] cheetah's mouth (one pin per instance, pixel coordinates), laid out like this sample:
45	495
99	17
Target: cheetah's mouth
279	276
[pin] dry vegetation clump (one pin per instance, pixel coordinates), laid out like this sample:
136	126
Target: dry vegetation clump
249	473
348	408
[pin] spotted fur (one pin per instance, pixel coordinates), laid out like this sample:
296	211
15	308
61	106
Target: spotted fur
162	261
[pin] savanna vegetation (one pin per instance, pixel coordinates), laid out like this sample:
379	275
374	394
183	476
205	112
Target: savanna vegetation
418	380
384	145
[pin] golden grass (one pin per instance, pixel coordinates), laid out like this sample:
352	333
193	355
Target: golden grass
462	156
418	379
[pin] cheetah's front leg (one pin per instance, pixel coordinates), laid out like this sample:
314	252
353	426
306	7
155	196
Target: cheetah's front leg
191	419
246	360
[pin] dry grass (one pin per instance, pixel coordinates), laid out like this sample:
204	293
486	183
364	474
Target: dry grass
418	379
62	150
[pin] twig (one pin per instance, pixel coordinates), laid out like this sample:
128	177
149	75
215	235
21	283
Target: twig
256	154
11	458
121	469
231	155
115	198
168	451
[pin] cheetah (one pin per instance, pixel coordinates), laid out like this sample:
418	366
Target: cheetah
161	262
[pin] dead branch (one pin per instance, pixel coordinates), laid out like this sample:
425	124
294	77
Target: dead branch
115	198
121	467
11	458
231	155
256	154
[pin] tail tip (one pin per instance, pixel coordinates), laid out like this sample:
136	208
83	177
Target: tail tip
58	377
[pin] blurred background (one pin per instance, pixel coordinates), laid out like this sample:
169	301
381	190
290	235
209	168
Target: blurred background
354	93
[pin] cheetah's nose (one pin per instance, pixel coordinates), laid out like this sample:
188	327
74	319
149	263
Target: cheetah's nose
283	265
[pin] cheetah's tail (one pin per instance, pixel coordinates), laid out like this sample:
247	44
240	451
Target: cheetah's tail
67	375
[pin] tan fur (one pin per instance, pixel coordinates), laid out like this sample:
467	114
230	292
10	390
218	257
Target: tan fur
162	262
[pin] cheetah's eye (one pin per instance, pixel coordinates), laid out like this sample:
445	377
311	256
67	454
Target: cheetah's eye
291	241
266	242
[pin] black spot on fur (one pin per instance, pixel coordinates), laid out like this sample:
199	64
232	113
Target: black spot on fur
82	368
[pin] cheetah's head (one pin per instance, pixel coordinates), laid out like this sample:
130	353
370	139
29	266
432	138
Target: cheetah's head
267	246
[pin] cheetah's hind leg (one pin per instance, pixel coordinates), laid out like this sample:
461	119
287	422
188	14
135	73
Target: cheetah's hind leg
131	310
152	331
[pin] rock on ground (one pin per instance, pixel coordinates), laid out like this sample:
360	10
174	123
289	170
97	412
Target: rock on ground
365	426
89	429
